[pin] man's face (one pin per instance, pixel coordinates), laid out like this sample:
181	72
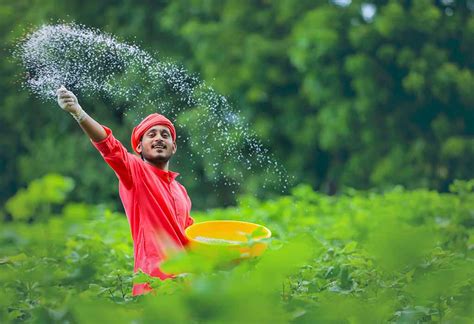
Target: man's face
157	145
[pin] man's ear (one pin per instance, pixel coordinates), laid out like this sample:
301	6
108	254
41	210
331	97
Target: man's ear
139	148
175	147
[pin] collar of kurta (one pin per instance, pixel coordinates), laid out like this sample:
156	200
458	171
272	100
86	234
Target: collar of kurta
167	176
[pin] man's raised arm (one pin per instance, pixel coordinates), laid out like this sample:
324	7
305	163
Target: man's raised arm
68	102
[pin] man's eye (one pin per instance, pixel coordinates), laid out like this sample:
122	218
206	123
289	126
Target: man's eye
151	134
165	135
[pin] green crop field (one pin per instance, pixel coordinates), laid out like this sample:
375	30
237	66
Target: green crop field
358	257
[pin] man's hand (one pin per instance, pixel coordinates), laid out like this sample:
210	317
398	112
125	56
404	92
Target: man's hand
68	102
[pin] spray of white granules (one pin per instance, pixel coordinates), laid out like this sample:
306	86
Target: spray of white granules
92	63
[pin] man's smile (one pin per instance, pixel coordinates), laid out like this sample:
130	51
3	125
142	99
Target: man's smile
158	146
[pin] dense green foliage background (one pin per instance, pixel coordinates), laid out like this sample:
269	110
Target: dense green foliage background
360	257
340	98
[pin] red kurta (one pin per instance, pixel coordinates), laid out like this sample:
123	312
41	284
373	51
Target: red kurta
157	207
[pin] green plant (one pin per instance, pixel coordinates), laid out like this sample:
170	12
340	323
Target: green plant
398	256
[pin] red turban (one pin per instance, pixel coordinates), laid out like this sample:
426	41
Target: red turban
146	124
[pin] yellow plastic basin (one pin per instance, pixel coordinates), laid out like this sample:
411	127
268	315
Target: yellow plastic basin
243	237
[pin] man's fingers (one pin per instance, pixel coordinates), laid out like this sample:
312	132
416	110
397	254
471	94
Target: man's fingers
65	95
67	103
61	89
66	99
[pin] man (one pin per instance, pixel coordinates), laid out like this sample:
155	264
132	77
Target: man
157	206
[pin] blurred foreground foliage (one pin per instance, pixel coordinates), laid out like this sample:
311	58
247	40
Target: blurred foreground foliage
360	257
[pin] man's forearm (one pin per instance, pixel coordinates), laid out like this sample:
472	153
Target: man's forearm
91	127
68	102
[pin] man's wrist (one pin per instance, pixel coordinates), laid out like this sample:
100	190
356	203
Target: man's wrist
79	115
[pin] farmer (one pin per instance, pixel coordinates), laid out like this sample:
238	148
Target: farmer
157	206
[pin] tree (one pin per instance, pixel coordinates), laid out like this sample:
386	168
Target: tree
359	94
344	93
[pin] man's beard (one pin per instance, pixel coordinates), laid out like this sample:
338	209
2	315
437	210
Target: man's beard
157	159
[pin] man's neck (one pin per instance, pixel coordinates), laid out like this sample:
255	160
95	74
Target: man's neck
162	166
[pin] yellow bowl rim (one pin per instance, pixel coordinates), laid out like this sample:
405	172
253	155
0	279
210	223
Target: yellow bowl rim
269	233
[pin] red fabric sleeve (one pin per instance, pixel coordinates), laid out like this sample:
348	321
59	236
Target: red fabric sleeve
189	221
116	156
